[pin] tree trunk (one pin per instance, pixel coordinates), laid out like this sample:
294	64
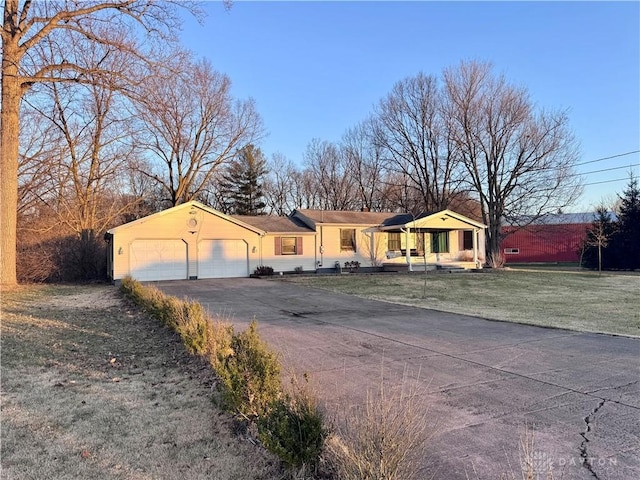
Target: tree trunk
9	125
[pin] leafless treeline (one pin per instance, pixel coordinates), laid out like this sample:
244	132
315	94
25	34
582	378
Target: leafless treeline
113	127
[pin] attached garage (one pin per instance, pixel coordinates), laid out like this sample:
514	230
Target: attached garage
158	259
223	259
188	241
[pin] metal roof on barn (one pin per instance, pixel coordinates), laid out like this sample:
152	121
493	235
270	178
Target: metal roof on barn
557	219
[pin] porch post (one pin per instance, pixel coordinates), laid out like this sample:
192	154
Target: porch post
475	247
373	252
408	250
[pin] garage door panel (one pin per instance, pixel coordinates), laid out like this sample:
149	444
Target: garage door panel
152	260
223	259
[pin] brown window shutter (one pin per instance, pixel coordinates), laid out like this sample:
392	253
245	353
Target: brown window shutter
278	246
298	245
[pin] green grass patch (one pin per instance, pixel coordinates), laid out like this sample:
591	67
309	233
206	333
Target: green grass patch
608	303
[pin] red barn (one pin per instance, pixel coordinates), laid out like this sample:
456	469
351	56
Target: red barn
551	238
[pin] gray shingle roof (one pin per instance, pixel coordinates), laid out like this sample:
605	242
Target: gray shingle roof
346	217
273	224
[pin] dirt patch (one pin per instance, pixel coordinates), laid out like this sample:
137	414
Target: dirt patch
91	388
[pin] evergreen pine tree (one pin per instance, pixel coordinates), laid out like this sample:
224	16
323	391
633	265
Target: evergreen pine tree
241	183
626	241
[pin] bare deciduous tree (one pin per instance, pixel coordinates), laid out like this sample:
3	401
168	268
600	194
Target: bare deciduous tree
39	41
39	140
366	164
94	151
414	131
280	185
518	161
306	193
192	126
335	184
599	236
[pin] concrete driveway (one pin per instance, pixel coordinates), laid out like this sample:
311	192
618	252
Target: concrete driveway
483	381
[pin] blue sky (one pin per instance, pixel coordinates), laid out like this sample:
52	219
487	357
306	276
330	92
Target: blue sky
316	69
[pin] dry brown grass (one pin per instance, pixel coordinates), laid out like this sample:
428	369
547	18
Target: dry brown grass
93	389
386	438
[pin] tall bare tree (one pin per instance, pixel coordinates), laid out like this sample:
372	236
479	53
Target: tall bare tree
306	193
414	132
365	163
39	41
327	166
280	185
84	181
39	140
518	160
193	126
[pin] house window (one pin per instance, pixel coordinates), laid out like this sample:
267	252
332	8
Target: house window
440	242
288	245
467	240
512	251
348	239
394	242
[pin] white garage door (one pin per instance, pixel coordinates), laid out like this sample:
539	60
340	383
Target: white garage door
223	259
158	260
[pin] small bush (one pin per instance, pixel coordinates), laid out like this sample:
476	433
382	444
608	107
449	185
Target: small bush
250	376
351	266
383	439
219	339
294	429
192	325
263	271
298	269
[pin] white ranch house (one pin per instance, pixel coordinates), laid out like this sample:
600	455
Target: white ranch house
192	241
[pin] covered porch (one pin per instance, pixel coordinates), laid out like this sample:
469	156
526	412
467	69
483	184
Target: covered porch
427	242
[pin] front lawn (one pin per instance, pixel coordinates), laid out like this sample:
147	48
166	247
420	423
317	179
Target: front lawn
92	388
608	303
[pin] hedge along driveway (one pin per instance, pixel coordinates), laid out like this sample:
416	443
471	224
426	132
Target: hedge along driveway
482	380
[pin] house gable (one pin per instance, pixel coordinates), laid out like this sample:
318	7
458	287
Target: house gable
442	220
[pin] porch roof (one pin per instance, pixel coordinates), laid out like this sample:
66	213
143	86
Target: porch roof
443	220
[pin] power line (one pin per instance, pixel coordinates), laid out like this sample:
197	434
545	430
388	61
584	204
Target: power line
605	181
607	158
609	169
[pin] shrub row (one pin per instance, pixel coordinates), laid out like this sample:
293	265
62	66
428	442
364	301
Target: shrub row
290	425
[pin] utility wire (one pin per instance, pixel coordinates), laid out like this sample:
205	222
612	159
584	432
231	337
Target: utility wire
605	181
609	169
606	158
